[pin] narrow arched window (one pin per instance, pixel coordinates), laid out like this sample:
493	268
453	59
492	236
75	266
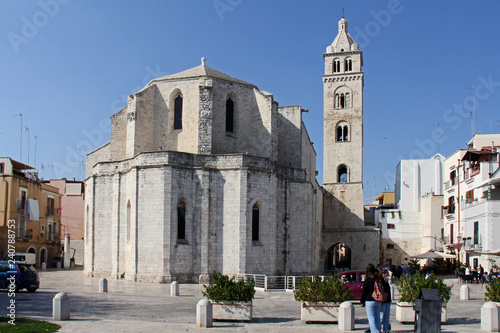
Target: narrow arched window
337	100
346	133
336	66
181	220
178	113
347	100
342	174
342	101
348	65
339	133
255	222
229	115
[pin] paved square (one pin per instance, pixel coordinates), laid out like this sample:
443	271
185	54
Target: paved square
148	307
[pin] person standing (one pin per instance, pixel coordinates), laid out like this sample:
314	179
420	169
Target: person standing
385	311
372	306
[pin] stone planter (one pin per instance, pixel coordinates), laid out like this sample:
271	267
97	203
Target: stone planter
232	311
319	312
405	313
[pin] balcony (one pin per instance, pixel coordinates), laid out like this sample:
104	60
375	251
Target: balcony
51	211
53	238
20	203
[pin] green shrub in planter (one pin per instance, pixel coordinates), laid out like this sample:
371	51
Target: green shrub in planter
315	290
493	291
410	287
228	289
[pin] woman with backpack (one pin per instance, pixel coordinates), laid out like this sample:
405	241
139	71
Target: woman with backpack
385	312
372	298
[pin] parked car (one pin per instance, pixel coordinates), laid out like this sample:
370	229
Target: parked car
60	258
57	259
354	281
26	276
22	258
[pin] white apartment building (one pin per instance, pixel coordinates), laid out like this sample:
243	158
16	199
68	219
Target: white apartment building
413	225
480	200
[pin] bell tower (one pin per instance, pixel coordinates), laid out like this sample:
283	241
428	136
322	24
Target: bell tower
343	129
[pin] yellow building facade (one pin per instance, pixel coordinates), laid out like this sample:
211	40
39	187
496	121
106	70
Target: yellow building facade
29	213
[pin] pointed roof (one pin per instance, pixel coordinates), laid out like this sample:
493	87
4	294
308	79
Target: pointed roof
201	71
343	42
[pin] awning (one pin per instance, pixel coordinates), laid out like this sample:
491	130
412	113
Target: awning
477	155
434	255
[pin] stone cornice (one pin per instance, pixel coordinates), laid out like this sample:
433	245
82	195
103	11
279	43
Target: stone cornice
342	53
342	77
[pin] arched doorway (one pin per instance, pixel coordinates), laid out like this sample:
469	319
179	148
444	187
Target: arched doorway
43	256
338	257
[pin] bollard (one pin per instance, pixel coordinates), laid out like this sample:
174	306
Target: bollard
60	307
58	265
204	313
44	266
174	289
464	293
103	285
346	317
393	291
490	321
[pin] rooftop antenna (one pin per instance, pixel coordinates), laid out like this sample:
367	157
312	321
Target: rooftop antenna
21	153
473	114
28	130
36	143
438	125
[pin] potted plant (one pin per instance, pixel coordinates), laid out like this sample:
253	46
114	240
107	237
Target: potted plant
409	289
321	298
492	293
231	299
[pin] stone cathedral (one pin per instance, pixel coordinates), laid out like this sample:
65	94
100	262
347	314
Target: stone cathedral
205	172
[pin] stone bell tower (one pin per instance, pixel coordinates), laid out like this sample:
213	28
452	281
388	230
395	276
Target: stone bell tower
346	241
343	129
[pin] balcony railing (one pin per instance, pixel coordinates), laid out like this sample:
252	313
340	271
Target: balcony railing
51	211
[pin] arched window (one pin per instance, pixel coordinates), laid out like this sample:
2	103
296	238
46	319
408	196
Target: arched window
342	101
255	222
181	220
229	115
348	65
342	174
178	113
336	66
342	133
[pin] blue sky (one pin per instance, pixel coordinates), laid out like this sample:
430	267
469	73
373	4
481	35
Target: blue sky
67	65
